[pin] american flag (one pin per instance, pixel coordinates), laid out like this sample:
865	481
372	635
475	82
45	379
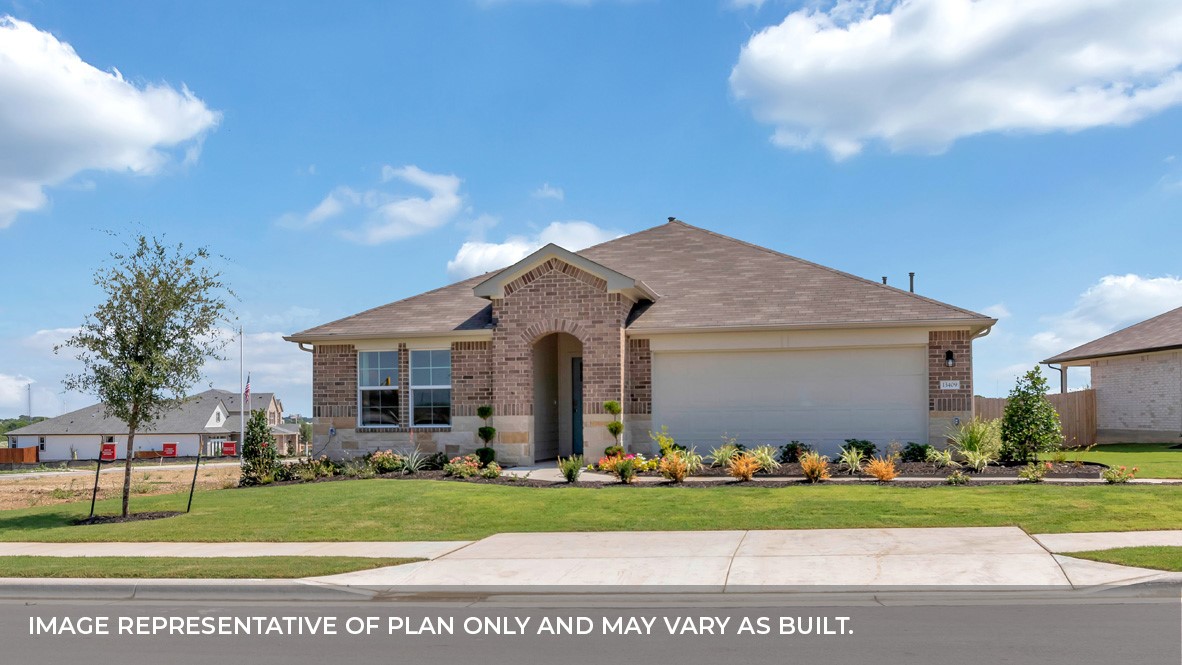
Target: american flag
246	393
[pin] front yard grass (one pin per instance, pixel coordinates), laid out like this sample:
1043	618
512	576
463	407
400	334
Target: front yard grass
1154	460
401	510
254	567
1157	557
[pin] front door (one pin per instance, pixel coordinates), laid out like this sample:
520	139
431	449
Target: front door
576	391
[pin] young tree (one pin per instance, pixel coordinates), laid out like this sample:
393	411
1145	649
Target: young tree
143	348
1030	424
259	457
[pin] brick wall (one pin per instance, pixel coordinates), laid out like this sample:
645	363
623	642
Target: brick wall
638	380
1141	392
334	381
558	297
960	343
471	377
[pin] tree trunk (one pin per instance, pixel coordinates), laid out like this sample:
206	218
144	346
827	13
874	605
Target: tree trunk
127	462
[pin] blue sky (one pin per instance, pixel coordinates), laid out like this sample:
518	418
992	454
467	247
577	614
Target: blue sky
349	156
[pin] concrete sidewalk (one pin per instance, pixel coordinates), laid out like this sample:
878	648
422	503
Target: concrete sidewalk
1082	542
738	561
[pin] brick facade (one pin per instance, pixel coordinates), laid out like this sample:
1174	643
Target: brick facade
1138	397
638	381
334	381
961	345
471	377
557	297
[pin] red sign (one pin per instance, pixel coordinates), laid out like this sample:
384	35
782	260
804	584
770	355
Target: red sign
108	454
169	450
229	448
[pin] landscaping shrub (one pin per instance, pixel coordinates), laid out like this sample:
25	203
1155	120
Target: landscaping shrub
1118	474
766	456
384	461
1034	472
571	467
414	461
882	468
977	460
851	458
487	432
814	466
941	458
486	455
721	456
790	452
259	459
462	467
958	477
915	452
491	470
615	427
625	469
434	462
868	449
1030	424
664	441
613	451
744	466
674	467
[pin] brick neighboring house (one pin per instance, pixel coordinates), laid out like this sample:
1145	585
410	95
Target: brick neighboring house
1137	376
687	328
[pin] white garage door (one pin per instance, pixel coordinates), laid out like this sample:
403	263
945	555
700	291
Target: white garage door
820	397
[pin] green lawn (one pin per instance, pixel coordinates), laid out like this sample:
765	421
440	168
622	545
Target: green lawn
257	567
1157	557
1155	460
377	509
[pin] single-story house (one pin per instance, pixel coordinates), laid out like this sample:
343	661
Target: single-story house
201	420
287	437
688	329
1137	376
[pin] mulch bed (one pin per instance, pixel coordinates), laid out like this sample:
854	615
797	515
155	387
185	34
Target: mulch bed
925	469
134	517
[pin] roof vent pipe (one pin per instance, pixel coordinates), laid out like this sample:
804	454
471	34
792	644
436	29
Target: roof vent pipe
912	276
884	279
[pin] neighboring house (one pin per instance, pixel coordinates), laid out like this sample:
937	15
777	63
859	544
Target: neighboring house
287	438
1137	376
688	329
200	420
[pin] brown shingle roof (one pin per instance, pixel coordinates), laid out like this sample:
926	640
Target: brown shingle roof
705	280
1160	333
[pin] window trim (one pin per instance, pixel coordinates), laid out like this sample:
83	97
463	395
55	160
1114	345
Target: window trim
397	388
411	387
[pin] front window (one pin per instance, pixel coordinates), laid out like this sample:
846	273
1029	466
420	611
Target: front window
377	388
430	387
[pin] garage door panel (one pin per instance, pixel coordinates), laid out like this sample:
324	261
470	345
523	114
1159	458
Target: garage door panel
819	397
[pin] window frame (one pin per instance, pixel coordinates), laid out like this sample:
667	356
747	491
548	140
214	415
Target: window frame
396	388
412	387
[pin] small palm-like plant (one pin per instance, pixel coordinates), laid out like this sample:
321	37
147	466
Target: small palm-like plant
721	456
851	458
766	456
941	458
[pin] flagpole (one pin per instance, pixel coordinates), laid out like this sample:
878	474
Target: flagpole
241	397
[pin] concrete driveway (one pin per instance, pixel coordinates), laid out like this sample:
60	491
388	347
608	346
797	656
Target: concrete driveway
735	560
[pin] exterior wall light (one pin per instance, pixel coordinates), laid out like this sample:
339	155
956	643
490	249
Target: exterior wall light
949	359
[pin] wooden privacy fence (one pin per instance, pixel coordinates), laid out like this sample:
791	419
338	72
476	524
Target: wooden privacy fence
18	455
1077	414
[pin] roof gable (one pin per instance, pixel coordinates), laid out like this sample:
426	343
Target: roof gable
1161	333
616	282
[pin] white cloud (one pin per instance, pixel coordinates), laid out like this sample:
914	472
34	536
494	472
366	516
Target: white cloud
477	257
61	116
998	311
1115	302
920	74
14	393
385	216
547	191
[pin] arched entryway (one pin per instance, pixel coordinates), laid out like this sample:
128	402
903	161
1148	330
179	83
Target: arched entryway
558	396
